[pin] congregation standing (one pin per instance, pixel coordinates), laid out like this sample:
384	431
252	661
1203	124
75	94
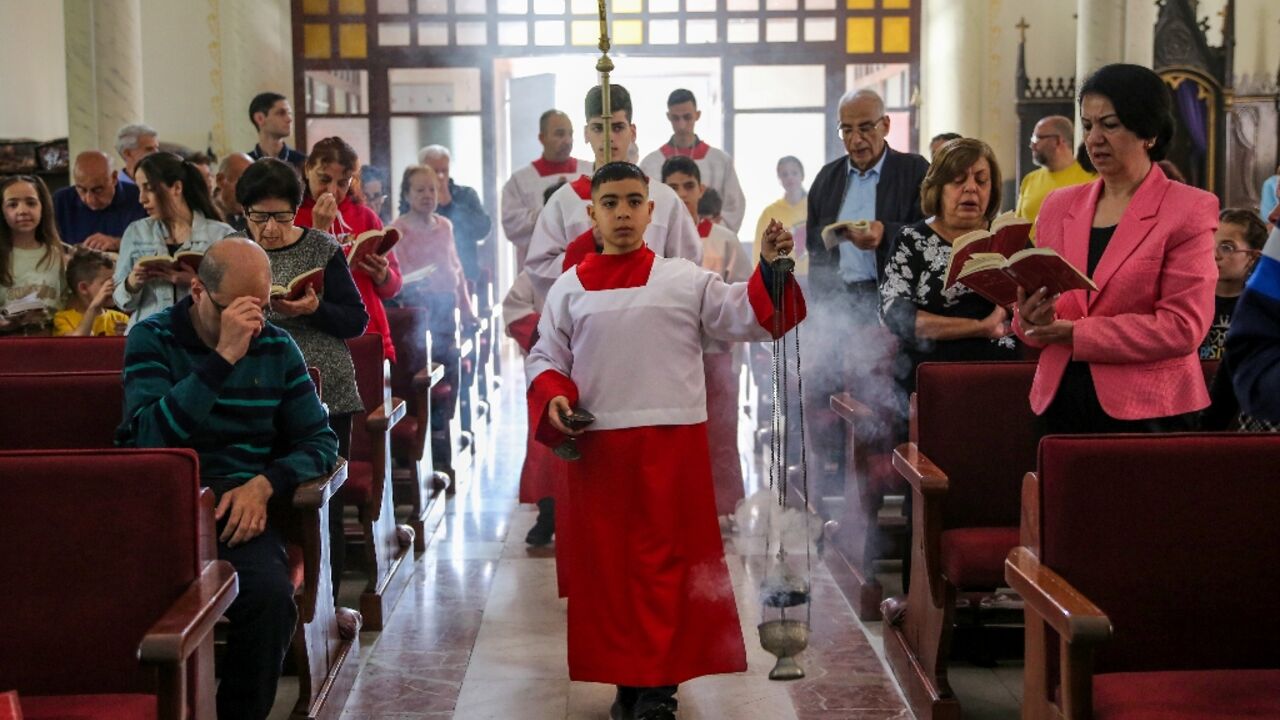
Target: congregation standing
634	289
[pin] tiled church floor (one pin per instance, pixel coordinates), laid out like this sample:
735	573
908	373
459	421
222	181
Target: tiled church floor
480	633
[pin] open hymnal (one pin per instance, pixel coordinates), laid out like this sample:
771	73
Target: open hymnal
185	260
997	278
371	242
24	304
421	273
297	287
1008	234
836	231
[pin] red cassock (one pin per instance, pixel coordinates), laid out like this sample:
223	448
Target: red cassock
650	599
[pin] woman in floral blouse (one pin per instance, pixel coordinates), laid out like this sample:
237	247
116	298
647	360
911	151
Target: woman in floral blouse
962	193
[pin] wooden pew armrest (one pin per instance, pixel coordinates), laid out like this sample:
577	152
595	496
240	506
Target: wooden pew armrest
1052	598
191	618
315	494
386	415
427	378
849	408
918	470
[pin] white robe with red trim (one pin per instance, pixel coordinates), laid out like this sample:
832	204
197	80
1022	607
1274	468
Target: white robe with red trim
716	168
522	198
650	600
671	232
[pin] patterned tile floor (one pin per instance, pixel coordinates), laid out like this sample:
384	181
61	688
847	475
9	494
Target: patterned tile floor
480	633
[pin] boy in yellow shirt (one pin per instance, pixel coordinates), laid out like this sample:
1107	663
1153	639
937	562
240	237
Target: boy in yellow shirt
89	310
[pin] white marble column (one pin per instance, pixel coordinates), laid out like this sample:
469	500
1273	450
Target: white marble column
104	71
1100	33
952	68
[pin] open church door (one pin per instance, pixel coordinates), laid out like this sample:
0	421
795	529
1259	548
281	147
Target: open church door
527	98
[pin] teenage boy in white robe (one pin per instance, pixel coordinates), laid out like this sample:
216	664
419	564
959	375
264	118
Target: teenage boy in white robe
671	232
621	336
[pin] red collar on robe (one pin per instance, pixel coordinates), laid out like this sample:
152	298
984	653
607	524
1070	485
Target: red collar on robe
579	248
545	167
704	228
582	186
615	272
697	152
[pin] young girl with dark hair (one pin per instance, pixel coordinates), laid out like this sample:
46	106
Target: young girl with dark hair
329	206
180	217
31	253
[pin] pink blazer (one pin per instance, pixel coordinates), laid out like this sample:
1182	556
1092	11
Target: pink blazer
1140	332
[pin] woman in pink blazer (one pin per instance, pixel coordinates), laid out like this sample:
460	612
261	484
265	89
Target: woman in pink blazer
1123	359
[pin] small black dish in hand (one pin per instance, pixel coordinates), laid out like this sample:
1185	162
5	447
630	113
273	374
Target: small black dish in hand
576	420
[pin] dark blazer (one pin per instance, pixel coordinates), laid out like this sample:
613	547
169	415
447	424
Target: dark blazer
897	204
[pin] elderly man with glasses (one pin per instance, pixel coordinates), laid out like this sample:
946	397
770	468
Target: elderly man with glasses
97	207
876	184
1053	152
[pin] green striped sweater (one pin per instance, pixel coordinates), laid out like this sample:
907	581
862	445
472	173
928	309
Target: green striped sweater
260	416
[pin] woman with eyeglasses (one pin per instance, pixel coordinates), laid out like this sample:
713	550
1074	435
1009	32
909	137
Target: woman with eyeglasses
270	192
1124	358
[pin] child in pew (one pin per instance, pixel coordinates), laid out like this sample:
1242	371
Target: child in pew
90	310
650	600
1238	244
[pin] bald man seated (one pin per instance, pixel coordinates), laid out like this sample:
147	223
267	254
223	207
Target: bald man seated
210	373
97	207
224	196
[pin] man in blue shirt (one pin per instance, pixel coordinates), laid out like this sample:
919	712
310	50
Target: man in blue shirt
272	116
97	208
850	349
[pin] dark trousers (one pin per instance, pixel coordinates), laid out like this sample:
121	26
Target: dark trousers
263	618
341	426
645	699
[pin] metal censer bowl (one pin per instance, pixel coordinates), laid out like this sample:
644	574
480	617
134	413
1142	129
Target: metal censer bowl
784	639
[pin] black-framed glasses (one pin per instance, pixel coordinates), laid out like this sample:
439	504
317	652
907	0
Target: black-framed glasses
220	307
865	129
258	217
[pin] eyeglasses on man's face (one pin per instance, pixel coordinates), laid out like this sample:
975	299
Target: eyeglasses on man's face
866	129
1037	139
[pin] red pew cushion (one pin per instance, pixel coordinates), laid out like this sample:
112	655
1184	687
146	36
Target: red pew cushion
88	707
404	439
359	485
974	557
1185	695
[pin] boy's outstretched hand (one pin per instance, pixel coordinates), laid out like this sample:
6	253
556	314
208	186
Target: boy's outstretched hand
777	239
560	405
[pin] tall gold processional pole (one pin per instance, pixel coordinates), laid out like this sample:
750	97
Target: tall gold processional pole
604	66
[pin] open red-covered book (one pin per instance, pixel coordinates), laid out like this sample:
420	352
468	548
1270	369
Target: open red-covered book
297	287
371	242
185	260
1008	235
997	278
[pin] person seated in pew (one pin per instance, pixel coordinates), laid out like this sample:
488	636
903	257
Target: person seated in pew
1240	237
1253	343
31	256
320	323
212	374
90	311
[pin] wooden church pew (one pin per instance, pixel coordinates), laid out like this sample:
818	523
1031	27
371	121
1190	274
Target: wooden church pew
385	545
972	437
110	619
68	354
91	406
1150	566
419	381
